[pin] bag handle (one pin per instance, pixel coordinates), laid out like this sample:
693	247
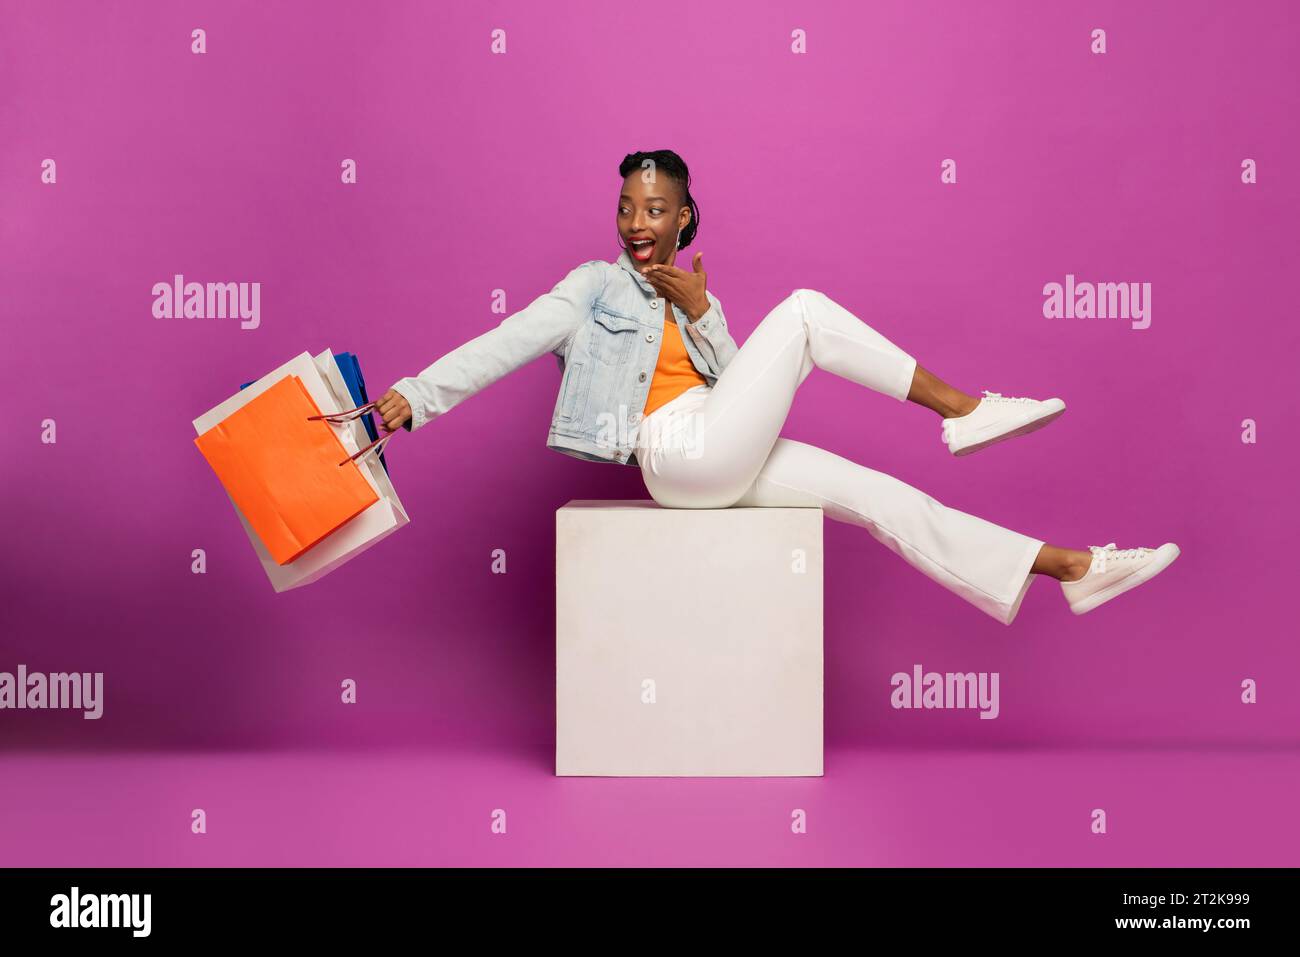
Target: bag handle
339	418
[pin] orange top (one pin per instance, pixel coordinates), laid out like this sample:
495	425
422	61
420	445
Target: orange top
674	372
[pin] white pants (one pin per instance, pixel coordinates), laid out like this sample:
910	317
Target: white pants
720	447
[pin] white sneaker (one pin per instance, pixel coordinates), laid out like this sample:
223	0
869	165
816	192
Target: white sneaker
1114	572
998	417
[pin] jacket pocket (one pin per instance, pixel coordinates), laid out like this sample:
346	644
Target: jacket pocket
571	388
612	335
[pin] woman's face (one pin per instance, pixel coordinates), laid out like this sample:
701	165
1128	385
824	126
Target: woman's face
652	211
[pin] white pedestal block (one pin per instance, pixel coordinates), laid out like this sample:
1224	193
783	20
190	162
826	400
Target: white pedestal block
688	641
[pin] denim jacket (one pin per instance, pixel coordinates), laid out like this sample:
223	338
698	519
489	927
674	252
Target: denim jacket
603	323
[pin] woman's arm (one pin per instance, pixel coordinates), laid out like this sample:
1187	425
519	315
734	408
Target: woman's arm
540	327
706	323
711	334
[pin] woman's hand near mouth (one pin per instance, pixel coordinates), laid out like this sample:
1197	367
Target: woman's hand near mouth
686	289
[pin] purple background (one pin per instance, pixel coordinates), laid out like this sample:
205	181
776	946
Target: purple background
478	172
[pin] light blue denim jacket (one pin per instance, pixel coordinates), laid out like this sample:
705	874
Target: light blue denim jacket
603	323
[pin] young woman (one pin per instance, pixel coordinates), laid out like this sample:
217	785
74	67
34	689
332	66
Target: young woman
652	378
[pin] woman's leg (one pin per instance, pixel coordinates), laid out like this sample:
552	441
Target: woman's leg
723	449
938	396
989	566
733	429
1063	564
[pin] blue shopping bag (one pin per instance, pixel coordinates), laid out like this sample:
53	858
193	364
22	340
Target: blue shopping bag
350	369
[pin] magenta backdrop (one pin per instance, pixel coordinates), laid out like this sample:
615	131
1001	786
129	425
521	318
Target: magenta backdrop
478	172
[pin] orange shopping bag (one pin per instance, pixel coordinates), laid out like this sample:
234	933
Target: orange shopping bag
290	476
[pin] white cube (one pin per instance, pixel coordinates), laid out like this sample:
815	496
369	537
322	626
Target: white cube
688	642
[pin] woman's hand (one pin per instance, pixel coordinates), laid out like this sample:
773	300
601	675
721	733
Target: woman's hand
393	410
686	289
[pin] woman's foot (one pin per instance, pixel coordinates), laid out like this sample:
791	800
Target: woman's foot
1111	572
995	418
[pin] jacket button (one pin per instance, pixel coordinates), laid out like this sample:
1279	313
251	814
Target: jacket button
649	337
641	377
655	304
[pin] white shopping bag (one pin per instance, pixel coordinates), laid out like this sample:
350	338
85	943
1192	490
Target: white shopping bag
324	383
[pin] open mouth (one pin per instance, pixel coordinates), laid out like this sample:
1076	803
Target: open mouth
640	249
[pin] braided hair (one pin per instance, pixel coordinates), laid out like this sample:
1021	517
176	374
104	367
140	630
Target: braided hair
674	167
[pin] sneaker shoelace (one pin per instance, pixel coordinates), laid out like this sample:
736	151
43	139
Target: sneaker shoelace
999	397
989	397
1103	554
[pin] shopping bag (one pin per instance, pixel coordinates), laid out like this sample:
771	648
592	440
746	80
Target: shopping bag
324	383
350	368
281	467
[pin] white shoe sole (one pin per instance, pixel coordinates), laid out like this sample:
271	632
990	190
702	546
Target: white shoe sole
1143	574
1044	417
